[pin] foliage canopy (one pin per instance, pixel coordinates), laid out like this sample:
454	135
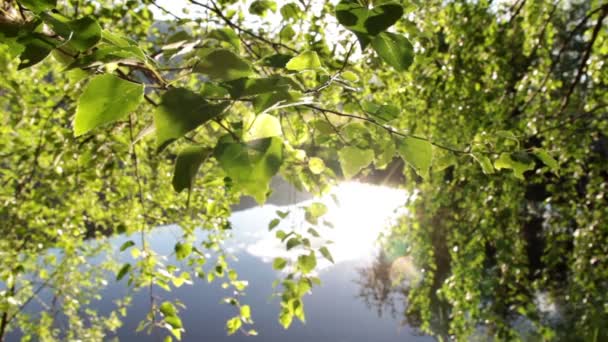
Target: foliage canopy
121	118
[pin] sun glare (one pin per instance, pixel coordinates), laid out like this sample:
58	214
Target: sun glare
363	211
359	213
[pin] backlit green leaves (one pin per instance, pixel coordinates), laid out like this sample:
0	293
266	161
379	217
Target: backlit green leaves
519	162
417	153
259	7
181	111
251	165
39	5
224	65
307	262
353	159
106	99
262	126
182	250
187	164
172	319
316	165
394	49
547	159
308	60
366	23
279	264
254	86
36	47
80	34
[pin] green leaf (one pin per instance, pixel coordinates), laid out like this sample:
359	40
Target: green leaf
106	54
316	165
290	11
316	209
174	321
350	76
182	250
365	22
385	112
546	158
275	222
259	7
224	65
394	49
279	264
313	232
106	99
267	101
278	60
255	86
263	126
36	47
187	164
227	35
233	324
39	5
245	312
308	60
168	309
123	271
353	159
519	163
80	34
417	153
251	165
293	242
307	263
325	252
181	111
126	245
485	162
285	318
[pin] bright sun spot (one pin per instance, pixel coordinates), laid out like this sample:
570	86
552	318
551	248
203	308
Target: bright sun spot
362	213
359	213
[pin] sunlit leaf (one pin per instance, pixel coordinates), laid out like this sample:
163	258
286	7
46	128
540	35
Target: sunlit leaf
308	60
394	49
182	250
224	65
547	159
123	271
262	126
181	111
106	99
353	159
307	262
366	22
417	153
251	165
325	252
187	164
519	165
316	165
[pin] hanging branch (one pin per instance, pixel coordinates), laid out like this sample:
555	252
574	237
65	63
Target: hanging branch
583	65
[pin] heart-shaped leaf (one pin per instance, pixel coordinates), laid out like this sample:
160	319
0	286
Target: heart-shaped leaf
418	154
394	49
366	22
181	111
251	165
223	64
187	164
106	99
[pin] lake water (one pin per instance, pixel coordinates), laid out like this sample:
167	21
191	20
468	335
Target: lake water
334	310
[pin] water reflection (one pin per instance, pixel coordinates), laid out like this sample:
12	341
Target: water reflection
335	311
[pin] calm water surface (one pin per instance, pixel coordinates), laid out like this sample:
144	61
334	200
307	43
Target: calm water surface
334	311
